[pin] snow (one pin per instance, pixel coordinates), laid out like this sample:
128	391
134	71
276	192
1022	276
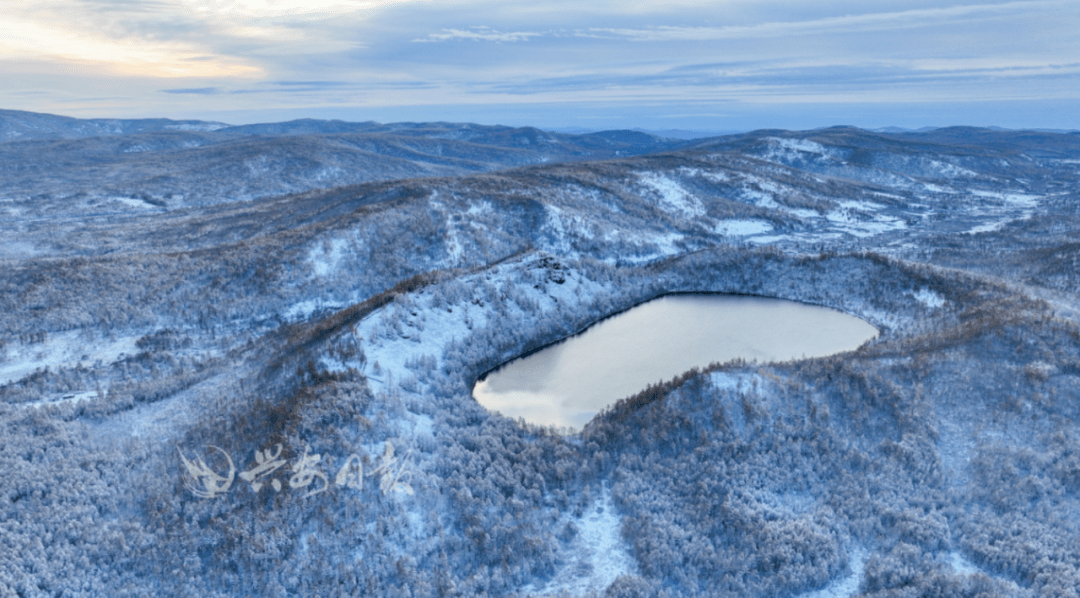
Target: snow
673	197
788	150
951	171
480	208
131	201
666	244
861	219
597	555
763	193
324	257
559	229
929	298
956	448
304	309
760	198
454	249
804	213
258	166
937	188
1015	199
328	173
738	228
19	250
77	397
195	127
962	565
393	351
768	239
429	332
730	384
869	229
798	145
847	586
1012	207
840	216
62	350
865	206
715	177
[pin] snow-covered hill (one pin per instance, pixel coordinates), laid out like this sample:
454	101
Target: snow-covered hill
271	395
127	166
18	125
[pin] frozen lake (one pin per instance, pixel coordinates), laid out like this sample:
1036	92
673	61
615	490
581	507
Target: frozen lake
567	383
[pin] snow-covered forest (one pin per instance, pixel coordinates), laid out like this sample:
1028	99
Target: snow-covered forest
268	393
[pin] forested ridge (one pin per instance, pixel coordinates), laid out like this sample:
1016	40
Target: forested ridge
272	397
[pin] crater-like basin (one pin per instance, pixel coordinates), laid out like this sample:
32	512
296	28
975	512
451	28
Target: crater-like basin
567	383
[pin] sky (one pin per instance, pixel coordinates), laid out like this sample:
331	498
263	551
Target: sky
720	65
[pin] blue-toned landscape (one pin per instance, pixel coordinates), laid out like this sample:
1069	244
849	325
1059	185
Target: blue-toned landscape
239	361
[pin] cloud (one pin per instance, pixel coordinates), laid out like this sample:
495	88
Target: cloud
846	24
486	34
63	32
164	38
194	90
301	54
311	84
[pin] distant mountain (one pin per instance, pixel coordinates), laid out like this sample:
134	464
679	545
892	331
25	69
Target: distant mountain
663	133
990	128
847	151
177	163
902	130
1048	144
17	125
690	133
